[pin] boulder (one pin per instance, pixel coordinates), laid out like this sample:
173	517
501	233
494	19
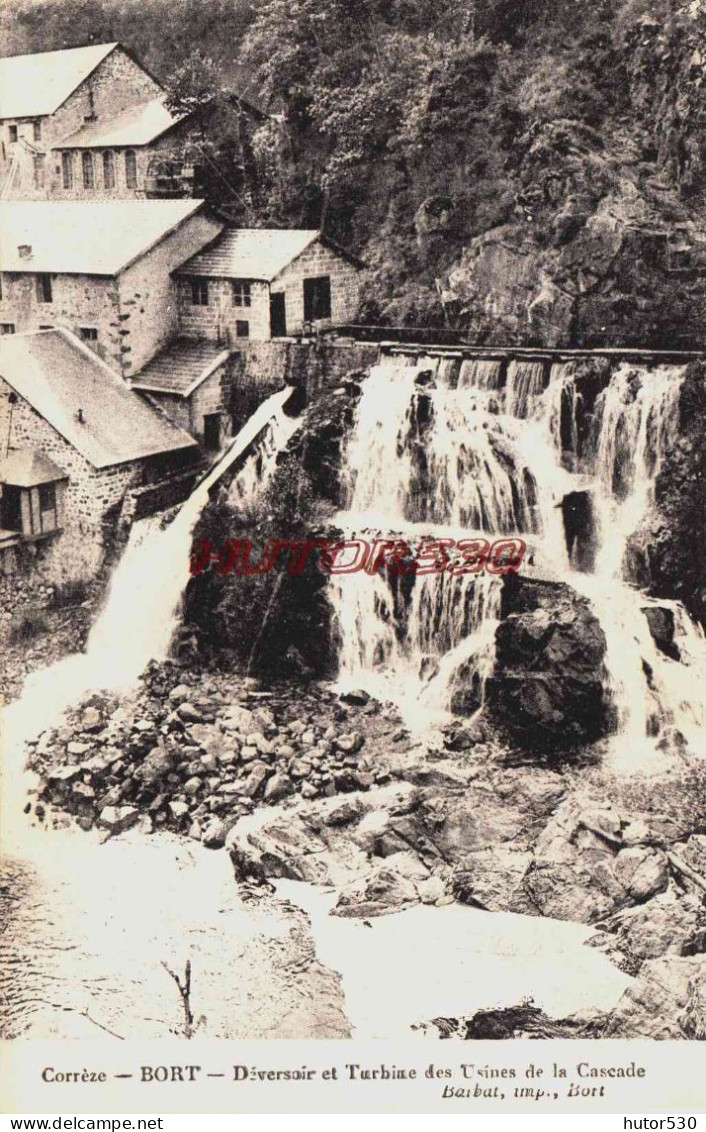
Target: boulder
383	891
91	720
214	834
357	697
493	879
118	818
278	786
179	694
665	1002
255	779
189	714
643	872
547	688
580	529
660	620
664	925
77	749
582	872
155	766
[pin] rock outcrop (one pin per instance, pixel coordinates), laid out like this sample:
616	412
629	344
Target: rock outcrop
547	689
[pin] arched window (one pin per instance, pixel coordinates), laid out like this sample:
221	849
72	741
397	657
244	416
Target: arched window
67	170
130	169
88	174
109	169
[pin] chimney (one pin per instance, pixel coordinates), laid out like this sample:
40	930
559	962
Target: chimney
25	251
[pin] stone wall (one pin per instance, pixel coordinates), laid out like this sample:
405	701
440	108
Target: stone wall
92	498
214	395
77	301
135	313
319	260
117	83
261	368
217	321
148	300
164	146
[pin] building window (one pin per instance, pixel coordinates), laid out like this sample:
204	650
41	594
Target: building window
212	431
67	170
199	292
39	170
109	169
49	519
13	133
46	326
130	169
44	289
11	508
7	328
242	329
37	131
88	333
88	171
241	294
317	298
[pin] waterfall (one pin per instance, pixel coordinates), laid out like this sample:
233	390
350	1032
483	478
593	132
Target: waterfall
635	423
140	614
436	450
424	458
525	383
480	373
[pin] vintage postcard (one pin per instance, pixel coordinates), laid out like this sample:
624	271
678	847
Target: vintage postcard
352	595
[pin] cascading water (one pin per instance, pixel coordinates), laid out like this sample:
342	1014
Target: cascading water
426	459
140	614
91	924
525	383
636	422
469	450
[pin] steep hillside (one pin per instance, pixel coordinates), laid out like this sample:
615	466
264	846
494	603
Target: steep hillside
527	171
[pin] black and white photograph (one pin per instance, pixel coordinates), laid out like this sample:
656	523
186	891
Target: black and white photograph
352	533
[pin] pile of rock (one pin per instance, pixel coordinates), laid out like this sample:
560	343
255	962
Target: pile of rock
195	757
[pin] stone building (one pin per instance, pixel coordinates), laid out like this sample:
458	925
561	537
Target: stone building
145	151
247	287
47	97
100	269
263	283
192	382
78	453
90	123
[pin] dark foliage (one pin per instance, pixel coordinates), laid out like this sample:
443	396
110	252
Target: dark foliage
522	171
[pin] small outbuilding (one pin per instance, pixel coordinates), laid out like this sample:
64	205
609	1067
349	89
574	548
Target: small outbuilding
263	283
79	453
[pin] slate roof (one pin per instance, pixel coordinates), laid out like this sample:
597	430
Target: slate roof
181	367
250	253
58	375
85	237
28	468
136	126
34	85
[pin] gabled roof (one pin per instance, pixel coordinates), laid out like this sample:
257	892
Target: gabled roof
138	125
85	237
250	253
34	85
181	368
28	468
57	375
